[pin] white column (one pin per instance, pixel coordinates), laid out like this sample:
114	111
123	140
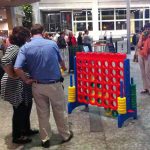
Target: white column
95	19
36	13
12	9
128	27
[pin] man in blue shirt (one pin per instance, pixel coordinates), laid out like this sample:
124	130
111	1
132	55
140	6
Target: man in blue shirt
41	57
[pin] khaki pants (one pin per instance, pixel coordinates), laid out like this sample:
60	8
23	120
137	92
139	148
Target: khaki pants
44	95
145	71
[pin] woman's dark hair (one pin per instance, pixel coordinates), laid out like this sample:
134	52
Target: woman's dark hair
37	29
19	36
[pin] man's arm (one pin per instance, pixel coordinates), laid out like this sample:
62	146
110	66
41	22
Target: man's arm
20	73
62	64
20	61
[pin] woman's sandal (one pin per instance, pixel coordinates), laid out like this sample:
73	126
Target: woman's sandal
144	91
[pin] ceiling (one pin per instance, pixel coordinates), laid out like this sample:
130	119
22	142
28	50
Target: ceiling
8	3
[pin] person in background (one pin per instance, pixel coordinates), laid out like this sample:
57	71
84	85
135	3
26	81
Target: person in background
62	44
87	40
72	43
15	91
71	40
43	57
105	37
79	39
61	41
111	38
144	58
135	39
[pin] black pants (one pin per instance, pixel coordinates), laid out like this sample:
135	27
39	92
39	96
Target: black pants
21	119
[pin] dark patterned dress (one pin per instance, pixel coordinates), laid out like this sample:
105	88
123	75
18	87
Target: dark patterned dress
14	91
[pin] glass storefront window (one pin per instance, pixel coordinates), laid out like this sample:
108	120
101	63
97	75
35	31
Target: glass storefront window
120	14
45	18
121	25
80	26
147	21
52	27
54	17
108	14
46	27
90	26
57	27
66	20
79	15
137	13
51	21
147	13
107	25
138	25
89	14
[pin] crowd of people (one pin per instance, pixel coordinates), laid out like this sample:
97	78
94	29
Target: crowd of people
63	39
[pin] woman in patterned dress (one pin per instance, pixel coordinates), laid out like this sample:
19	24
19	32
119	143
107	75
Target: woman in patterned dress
15	91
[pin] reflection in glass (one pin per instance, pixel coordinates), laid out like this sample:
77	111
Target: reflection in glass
108	14
79	15
80	26
147	13
147	21
121	25
89	15
138	24
52	27
66	20
55	17
90	26
120	14
107	25
137	13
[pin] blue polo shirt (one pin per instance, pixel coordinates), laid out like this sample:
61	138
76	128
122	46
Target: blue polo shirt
41	58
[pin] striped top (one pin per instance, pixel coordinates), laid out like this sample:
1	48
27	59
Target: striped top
14	91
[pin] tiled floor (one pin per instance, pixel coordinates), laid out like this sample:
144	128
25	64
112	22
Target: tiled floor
134	135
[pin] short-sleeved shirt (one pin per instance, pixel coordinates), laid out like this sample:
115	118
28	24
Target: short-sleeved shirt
41	57
87	39
14	91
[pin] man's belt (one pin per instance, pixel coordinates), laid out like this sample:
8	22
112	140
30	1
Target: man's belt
47	82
